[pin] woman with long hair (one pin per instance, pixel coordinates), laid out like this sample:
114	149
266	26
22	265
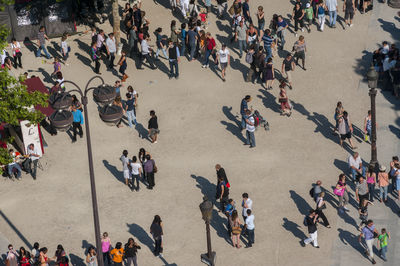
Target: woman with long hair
43	258
236	230
341	191
371	180
284	100
91	258
105	248
156	230
117	254
130	252
24	257
142	158
59	254
118	102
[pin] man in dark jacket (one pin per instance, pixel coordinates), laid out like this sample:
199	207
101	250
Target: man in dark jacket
222	193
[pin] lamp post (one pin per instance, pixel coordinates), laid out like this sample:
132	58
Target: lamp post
61	120
206	208
372	77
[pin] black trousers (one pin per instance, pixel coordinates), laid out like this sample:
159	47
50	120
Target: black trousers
76	126
97	66
296	24
361	198
111	60
150	179
157	248
323	217
17	60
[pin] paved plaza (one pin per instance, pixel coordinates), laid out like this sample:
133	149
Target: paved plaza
199	119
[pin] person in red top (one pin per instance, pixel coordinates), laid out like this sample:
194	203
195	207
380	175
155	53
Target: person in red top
24	257
210	45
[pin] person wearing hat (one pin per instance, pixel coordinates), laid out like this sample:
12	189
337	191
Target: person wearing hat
309	16
224	60
383	182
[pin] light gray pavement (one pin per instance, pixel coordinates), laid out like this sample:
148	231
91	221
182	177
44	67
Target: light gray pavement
198	129
384	25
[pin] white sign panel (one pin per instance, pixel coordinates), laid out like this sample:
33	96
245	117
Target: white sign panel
31	134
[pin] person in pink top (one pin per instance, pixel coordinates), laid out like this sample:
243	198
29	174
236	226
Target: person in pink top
383	181
371	180
105	248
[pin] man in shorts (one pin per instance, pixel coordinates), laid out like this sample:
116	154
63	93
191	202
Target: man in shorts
125	166
287	67
224	60
349	11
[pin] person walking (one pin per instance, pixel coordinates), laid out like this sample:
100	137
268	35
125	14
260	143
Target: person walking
65	49
281	30
392	176
229	208
249	228
130	110
349	12
150	168
153	130
91	257
160	43
321	205
268	40
77	123
300	50
191	38
316	189
221	173
174	59
338	114
136	171
94	54
111	50
133	42
42	37
321	14
356	167
286	108
33	158
122	66
210	45
363	212
371	181
105	248
224	59
125	166
250	128
17	54
156	230
311	222
383	182
331	6
131	249
367	126
146	50
297	16
260	18
368	233
396	175
341	191
117	254
243	108
383	243
236	229
361	190
345	129
288	66
247	204
222	193
309	16
269	74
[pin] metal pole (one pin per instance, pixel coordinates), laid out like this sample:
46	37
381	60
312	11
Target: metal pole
92	185
374	156
208	240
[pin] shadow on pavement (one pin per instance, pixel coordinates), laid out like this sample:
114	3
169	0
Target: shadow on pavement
351	239
76	260
269	101
234	127
113	170
302	204
15	229
141	235
294	228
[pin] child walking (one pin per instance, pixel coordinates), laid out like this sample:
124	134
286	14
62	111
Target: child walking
383	242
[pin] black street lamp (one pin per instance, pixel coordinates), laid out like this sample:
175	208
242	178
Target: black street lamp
372	77
206	208
62	120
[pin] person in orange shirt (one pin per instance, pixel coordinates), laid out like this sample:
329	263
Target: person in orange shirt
117	254
383	180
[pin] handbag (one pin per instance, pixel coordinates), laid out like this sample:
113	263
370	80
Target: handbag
155	169
236	230
338	192
375	233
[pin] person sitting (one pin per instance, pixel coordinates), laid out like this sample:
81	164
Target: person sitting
14	165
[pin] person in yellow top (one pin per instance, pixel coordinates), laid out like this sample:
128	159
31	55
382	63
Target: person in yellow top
117	253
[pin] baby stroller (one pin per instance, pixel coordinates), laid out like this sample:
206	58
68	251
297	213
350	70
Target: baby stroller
260	121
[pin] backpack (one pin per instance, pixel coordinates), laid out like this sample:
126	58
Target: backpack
249	57
256	117
311	192
305	222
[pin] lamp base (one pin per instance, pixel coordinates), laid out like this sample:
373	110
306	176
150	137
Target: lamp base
209	261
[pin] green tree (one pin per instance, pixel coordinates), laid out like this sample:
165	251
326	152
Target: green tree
15	100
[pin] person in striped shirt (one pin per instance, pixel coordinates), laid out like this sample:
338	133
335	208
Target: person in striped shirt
268	39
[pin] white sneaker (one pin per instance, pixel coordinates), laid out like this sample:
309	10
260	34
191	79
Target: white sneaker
203	66
302	30
295	34
351	25
345	208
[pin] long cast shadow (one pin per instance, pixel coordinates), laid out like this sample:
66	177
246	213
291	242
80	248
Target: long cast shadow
76	260
351	239
141	235
15	229
114	170
293	228
269	100
234	128
301	204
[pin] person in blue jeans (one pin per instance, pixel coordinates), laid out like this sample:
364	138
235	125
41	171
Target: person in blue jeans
173	58
130	110
191	38
243	108
210	45
249	224
383	243
183	38
355	165
331	5
42	37
281	31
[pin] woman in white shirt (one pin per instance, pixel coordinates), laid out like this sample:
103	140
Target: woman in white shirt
64	48
16	49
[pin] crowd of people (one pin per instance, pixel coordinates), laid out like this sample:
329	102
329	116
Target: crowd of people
260	45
